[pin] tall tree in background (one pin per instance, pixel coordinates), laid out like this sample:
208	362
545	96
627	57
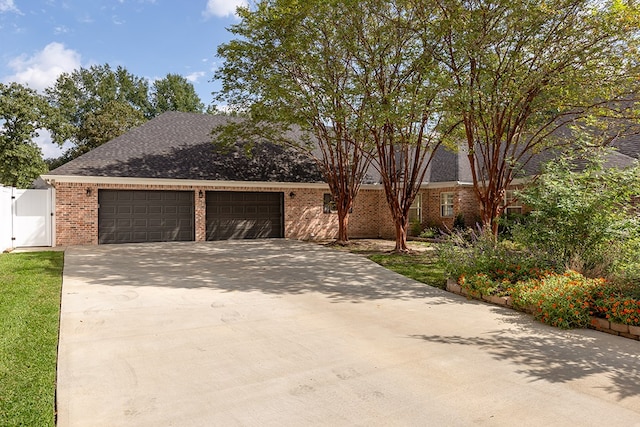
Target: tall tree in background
22	113
174	93
99	103
519	70
291	71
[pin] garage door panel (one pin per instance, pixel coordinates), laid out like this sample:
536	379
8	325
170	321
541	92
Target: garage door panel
123	209
128	216
244	215
154	210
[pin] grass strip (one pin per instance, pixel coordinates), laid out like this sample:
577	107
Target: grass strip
421	267
30	286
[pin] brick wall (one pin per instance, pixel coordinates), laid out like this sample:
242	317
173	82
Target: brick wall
76	214
77	211
464	201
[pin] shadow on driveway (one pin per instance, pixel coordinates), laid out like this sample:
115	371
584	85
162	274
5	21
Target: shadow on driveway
269	266
266	331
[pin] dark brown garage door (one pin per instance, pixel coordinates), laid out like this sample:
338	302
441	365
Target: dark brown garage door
244	215
131	216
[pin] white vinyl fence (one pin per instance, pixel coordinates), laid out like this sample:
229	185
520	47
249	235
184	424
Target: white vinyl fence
26	218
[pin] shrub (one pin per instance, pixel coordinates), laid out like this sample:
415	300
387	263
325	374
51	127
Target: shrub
430	233
469	253
562	300
415	228
482	284
617	308
579	217
459	222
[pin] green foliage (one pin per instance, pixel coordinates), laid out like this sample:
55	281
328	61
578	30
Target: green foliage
89	98
517	69
174	93
30	286
98	103
22	113
107	122
355	74
616	307
582	218
459	222
481	284
467	253
430	233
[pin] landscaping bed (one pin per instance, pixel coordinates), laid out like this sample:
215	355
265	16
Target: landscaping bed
598	323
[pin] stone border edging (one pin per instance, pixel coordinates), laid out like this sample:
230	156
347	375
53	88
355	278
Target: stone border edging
599	324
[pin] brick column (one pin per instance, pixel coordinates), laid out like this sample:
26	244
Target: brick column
201	214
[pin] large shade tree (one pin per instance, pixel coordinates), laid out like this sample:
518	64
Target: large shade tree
520	70
23	113
99	103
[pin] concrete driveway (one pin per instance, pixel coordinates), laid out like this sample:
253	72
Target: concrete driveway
284	333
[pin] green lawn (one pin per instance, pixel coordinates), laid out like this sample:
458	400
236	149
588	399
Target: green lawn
30	286
422	267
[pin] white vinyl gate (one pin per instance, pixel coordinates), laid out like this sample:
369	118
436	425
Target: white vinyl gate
26	218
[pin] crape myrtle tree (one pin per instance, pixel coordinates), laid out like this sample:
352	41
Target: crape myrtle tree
403	88
351	73
23	113
291	72
520	70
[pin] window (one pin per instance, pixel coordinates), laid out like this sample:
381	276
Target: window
328	204
446	204
512	205
415	211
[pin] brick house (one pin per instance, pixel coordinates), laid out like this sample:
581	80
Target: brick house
165	181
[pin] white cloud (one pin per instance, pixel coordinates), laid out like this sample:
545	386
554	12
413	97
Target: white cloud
195	76
8	6
60	30
49	149
222	8
43	68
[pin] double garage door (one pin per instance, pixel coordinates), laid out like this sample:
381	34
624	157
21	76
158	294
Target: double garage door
131	216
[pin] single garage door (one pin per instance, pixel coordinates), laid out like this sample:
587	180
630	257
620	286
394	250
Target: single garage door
244	215
132	216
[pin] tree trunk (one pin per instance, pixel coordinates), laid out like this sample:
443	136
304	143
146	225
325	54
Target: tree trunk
343	227
490	214
401	225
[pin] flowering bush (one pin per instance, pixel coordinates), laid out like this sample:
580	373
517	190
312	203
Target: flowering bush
480	283
562	300
617	308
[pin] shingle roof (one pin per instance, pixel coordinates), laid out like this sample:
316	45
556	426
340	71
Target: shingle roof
179	145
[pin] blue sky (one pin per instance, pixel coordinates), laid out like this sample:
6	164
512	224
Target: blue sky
39	39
